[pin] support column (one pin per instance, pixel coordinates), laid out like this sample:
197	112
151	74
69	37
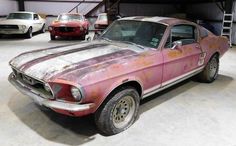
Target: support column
21	5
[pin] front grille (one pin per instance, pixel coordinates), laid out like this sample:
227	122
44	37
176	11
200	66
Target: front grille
33	83
65	29
9	27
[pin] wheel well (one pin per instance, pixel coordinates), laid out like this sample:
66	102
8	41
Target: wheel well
136	85
217	53
133	84
31	28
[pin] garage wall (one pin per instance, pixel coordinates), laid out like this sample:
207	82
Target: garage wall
146	9
55	8
7	6
211	13
208	11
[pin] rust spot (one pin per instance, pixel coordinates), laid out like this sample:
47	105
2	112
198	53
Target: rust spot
188	50
174	54
148	75
213	46
143	60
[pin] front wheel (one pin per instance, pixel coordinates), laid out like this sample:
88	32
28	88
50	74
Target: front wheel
119	112
43	29
87	30
210	72
83	37
29	33
52	37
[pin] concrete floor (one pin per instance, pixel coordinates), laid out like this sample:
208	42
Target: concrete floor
189	114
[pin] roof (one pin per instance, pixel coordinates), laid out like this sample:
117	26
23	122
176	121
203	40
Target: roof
71	14
157	19
169	1
24	12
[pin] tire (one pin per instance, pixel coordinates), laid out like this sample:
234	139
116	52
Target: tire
210	72
87	30
119	112
52	37
29	33
83	37
43	29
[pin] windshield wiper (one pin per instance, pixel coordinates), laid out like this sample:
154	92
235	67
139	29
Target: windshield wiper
137	45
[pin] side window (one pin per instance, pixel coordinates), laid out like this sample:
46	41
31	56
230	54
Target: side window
203	32
185	33
36	17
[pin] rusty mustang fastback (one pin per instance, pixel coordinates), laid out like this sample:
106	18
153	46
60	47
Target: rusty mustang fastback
134	58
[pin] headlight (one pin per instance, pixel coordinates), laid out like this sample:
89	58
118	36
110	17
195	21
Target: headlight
50	28
23	27
76	93
96	26
81	28
47	88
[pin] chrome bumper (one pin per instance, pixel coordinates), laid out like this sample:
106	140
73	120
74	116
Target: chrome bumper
73	107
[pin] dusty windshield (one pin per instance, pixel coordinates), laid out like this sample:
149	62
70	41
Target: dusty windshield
148	34
69	17
102	17
25	16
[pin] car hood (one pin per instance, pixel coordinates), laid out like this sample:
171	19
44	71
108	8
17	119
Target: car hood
67	23
15	22
49	64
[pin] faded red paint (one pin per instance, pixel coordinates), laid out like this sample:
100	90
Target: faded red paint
80	28
152	67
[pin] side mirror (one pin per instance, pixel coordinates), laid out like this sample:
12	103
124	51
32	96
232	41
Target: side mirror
176	44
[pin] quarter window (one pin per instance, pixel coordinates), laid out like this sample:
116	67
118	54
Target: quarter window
36	17
203	32
187	34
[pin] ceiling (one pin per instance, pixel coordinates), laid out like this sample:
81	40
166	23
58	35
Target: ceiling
169	1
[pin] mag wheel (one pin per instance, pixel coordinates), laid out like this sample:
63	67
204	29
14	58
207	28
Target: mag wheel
119	112
210	72
123	112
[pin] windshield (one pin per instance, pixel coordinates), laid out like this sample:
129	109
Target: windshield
102	17
69	17
25	16
142	33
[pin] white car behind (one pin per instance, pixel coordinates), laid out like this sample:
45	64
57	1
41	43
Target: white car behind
25	23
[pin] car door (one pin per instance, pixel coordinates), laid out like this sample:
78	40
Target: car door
183	59
37	24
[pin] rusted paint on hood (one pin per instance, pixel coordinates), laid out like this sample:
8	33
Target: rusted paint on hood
49	64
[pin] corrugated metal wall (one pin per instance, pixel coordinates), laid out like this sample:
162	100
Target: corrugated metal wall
7	6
